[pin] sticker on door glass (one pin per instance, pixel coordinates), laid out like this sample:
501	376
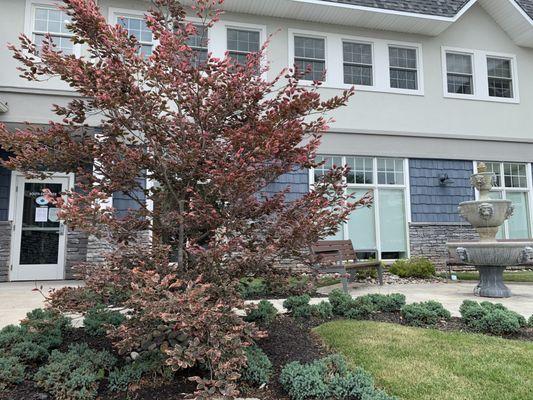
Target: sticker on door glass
41	200
41	214
52	214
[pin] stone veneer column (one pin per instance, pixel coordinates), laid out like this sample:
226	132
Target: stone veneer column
5	249
429	239
76	252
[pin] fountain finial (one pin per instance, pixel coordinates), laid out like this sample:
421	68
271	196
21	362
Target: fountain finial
481	167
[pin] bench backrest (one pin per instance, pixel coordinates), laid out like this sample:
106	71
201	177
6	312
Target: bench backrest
334	251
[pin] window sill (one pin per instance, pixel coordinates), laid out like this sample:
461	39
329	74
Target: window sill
362	88
479	98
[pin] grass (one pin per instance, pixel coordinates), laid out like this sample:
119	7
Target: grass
427	364
518	276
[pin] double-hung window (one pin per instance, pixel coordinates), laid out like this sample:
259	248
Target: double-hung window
242	42
357	59
500	77
136	26
310	57
512	183
460	74
403	67
198	42
50	20
384	225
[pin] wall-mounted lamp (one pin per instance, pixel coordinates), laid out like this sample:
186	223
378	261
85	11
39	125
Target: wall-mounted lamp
445	180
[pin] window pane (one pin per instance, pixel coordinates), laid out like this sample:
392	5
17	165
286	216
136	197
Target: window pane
51	20
392	221
460	84
500	77
357	53
314	70
361	224
243	40
499	68
329	162
402	57
459	63
200	38
390	171
403	79
500	88
519	222
358	75
63	44
495	167
136	27
306	47
515	175
360	170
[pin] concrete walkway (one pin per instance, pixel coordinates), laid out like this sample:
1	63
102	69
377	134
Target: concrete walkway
17	298
451	294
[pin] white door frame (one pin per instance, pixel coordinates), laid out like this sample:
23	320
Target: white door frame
16	227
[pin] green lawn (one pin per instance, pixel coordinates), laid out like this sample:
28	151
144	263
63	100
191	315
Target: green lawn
519	276
426	364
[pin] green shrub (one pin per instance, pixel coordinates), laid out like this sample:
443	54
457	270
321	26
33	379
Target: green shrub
492	318
99	318
252	287
299	306
29	352
11	335
11	372
530	322
264	313
387	303
74	375
413	268
45	327
360	308
328	378
322	310
340	301
258	367
424	314
148	364
362	274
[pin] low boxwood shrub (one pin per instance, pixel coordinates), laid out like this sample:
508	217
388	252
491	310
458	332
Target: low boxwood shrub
340	301
98	319
258	367
416	267
424	314
263	313
386	303
11	372
322	310
492	318
45	327
345	306
148	365
328	378
11	335
74	374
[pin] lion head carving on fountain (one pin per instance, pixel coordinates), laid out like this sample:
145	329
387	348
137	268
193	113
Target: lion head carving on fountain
486	211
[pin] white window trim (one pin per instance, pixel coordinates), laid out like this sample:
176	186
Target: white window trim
375	187
373	65
29	20
480	75
380	61
115	13
504	190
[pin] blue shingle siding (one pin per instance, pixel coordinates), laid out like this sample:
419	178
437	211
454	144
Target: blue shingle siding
433	202
297	180
122	202
5	182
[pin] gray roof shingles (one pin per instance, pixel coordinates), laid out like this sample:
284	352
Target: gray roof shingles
441	8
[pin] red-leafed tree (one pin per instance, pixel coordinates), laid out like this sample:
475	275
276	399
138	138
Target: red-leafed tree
211	135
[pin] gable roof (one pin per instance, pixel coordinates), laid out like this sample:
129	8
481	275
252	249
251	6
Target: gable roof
423	17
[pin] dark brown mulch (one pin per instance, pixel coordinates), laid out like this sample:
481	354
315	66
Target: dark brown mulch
288	340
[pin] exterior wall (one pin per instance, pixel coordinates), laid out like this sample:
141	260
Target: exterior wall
297	181
5	249
76	252
5	181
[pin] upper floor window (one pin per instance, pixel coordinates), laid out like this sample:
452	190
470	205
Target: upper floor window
500	77
357	59
136	26
242	42
50	20
403	67
460	76
310	57
198	42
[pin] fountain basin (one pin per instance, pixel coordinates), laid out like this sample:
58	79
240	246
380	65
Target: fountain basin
491	259
486	215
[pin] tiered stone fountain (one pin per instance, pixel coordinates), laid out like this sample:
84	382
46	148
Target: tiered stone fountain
489	255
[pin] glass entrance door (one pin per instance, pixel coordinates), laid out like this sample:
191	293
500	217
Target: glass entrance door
39	248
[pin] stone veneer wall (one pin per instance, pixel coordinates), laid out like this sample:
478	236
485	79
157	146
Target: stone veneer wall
76	252
429	239
5	249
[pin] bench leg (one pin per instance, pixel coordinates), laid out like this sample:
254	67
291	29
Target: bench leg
380	275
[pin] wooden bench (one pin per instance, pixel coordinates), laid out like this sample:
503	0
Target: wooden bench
339	256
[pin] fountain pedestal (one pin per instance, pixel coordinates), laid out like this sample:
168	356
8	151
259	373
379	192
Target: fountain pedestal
491	282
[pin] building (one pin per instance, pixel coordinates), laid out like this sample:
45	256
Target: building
440	87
